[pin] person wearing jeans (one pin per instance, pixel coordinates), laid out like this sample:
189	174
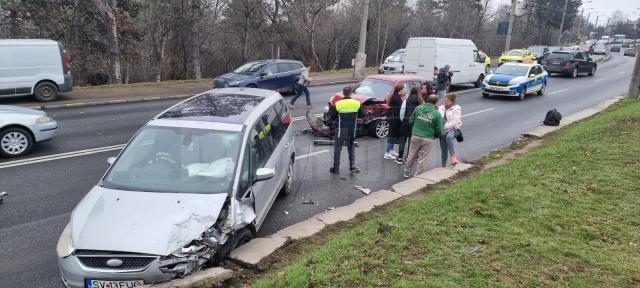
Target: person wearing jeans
302	86
443	82
452	116
427	126
414	100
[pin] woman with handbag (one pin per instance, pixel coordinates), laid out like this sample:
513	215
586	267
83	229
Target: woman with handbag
452	117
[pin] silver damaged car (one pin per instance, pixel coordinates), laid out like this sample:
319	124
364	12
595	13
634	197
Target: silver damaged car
194	183
21	128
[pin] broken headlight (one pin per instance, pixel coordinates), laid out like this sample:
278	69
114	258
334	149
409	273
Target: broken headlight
193	256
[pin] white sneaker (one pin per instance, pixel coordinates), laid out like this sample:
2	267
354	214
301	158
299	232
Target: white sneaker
395	154
389	156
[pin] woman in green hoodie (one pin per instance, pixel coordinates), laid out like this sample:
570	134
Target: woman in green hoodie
427	126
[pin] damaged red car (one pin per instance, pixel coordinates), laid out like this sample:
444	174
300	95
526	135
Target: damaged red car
372	92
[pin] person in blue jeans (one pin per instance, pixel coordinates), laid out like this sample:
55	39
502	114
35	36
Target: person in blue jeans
303	87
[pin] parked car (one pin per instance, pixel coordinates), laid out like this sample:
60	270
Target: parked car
393	64
274	74
399	51
615	48
485	60
539	52
630	52
34	67
516	55
372	93
21	128
425	55
195	182
570	63
515	79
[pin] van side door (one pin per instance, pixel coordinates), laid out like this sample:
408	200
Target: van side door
7	77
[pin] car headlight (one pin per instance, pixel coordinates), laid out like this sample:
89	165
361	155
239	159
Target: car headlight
44	119
513	82
486	80
326	108
234	83
64	247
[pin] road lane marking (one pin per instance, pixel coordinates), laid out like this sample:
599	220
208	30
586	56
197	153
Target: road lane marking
559	91
478	112
60	156
604	78
298	118
311	154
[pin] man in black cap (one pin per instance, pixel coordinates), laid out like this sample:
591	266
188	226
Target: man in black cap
347	111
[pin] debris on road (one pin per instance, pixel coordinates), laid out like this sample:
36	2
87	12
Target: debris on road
363	189
309	202
474	249
286	212
2	194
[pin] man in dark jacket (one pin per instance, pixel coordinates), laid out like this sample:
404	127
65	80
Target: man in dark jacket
444	81
347	111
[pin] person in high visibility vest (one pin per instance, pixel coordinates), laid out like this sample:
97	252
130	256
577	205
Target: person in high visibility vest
347	111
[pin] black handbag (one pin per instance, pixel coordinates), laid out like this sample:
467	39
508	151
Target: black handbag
458	134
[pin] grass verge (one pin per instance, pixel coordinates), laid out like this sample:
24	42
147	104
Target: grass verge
565	214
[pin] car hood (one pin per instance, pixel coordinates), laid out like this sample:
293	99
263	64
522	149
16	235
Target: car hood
142	222
503	77
231	77
505	57
20	110
361	98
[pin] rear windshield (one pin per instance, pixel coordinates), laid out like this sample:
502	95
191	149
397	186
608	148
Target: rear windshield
558	55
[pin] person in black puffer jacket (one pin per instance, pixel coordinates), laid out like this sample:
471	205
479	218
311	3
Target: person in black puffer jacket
394	100
414	100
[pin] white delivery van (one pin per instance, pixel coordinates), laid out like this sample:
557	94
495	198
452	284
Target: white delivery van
425	55
34	67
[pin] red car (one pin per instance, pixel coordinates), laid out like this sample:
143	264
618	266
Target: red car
372	92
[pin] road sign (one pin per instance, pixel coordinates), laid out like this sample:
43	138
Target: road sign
503	28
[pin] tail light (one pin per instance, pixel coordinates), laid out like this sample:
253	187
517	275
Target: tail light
545	62
568	64
286	120
435	70
65	60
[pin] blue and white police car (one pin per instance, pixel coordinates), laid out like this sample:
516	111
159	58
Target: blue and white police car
515	79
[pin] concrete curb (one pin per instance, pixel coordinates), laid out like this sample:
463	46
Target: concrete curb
153	98
204	278
542	131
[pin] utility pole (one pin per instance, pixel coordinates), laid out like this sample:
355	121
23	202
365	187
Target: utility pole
361	57
579	25
595	26
586	28
564	13
634	86
512	15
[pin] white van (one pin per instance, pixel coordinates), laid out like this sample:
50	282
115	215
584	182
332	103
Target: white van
426	55
34	67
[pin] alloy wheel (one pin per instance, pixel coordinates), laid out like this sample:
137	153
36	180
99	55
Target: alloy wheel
14	143
382	128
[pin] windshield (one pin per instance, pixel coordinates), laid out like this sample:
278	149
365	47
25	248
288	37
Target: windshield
249	68
513	70
514	53
396	57
176	160
373	88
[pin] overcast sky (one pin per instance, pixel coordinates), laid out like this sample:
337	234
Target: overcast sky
604	8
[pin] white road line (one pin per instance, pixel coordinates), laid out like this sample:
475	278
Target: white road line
298	118
311	154
558	92
478	112
60	156
604	78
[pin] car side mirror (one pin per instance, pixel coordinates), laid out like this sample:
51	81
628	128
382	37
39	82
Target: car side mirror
263	174
262	74
532	75
111	160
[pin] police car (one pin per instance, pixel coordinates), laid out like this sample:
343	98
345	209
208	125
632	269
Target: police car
515	79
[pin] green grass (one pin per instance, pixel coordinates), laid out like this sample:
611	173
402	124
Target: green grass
567	214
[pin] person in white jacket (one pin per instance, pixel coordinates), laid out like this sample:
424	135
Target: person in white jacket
452	116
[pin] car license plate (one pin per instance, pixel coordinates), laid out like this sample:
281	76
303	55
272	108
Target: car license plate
556	63
113	283
498	88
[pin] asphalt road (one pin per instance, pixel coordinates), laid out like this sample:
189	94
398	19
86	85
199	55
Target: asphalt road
43	191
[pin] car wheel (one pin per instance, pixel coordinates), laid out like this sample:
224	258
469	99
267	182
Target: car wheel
485	95
46	92
380	128
542	89
523	93
236	240
574	72
479	81
287	188
593	71
15	142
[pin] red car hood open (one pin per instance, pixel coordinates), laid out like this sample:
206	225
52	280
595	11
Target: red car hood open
359	97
